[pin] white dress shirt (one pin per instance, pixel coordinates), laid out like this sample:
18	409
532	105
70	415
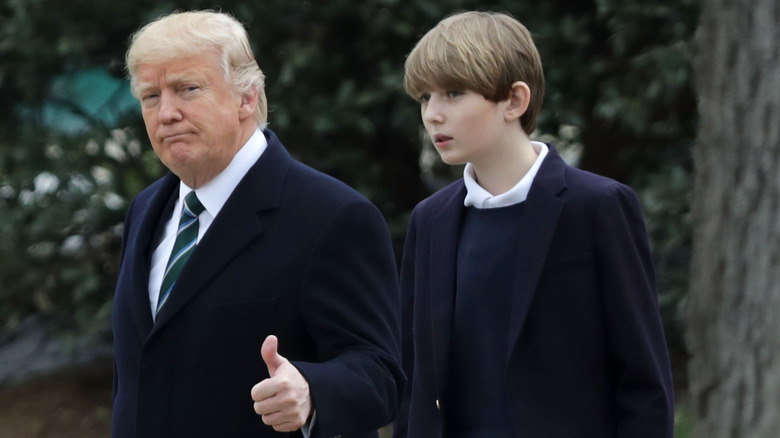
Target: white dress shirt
478	197
213	196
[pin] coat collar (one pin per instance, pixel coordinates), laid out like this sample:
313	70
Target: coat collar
139	243
542	210
539	221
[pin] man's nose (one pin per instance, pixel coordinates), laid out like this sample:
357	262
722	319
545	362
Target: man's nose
168	111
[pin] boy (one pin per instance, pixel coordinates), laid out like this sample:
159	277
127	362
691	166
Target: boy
529	300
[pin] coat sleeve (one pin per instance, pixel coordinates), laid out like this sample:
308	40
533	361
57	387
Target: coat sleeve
351	309
643	381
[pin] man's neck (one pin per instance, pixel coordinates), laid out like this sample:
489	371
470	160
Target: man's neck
195	181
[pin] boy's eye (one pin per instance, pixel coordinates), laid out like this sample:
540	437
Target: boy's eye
425	98
453	93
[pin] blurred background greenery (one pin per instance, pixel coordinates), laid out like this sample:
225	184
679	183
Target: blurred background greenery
73	150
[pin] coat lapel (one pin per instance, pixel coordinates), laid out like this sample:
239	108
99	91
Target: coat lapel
236	226
443	260
153	218
540	219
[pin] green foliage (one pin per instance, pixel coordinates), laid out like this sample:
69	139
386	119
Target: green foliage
665	197
61	228
618	73
684	419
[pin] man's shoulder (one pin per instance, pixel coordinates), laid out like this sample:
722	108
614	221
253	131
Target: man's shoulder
312	183
303	181
166	182
155	186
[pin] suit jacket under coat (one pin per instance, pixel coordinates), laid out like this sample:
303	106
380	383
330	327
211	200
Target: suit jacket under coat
586	353
292	253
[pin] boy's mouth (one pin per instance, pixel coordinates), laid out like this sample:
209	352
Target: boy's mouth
441	139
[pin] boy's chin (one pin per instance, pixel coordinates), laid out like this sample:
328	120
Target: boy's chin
451	161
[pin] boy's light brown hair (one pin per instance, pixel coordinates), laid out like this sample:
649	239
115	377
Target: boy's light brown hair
484	52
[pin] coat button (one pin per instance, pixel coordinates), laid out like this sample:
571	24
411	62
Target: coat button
438	405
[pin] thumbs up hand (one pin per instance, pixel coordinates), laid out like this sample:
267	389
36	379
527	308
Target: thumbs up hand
269	351
283	399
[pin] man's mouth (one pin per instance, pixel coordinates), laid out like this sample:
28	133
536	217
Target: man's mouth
173	137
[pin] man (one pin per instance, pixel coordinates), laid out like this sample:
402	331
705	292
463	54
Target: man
245	276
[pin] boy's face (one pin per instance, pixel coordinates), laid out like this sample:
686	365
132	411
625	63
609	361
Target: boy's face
463	125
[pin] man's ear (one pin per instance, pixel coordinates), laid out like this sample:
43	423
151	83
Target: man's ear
248	104
519	98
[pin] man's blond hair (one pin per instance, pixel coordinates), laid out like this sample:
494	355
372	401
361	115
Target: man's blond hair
184	34
484	52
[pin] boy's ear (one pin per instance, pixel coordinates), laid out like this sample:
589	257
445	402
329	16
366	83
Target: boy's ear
519	98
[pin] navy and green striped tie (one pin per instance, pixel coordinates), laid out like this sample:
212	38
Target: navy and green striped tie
186	239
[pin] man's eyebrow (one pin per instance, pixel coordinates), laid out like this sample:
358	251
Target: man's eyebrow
179	78
142	88
171	79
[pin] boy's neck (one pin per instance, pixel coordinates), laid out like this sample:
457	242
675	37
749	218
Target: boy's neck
498	172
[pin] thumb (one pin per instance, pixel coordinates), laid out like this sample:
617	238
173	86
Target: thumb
273	360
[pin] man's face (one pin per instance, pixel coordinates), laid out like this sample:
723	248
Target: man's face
195	121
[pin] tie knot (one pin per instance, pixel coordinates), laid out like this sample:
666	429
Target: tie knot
192	205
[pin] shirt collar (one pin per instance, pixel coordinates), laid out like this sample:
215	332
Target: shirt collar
478	197
216	192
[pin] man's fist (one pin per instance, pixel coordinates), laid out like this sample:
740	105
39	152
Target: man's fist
283	399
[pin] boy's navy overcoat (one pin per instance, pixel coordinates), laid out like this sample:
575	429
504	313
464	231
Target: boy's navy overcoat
587	357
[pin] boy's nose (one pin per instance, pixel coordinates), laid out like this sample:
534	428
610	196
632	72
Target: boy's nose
431	113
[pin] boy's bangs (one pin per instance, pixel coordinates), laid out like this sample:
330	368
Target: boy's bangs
428	69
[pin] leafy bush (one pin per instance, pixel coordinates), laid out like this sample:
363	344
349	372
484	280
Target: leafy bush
61	229
618	73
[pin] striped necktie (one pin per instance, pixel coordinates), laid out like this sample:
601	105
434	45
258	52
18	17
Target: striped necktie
186	239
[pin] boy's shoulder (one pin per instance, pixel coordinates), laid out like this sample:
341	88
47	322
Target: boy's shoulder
596	182
556	177
454	192
592	192
590	183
